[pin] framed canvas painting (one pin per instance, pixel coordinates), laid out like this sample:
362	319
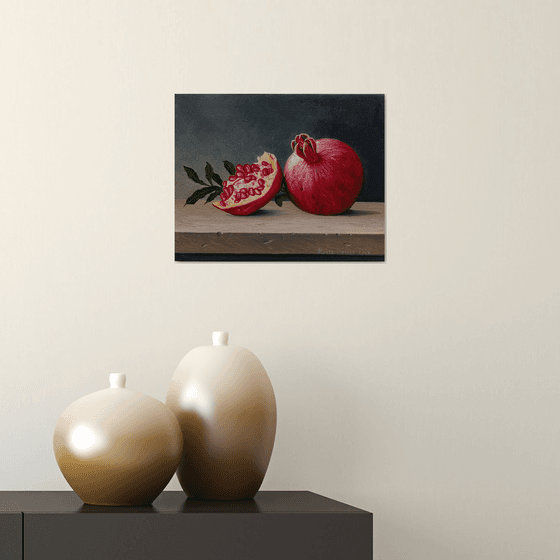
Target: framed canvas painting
279	177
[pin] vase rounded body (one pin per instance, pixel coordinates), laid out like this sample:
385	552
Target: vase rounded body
225	405
117	447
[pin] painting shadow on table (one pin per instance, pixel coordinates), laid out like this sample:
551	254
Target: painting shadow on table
352	212
264	212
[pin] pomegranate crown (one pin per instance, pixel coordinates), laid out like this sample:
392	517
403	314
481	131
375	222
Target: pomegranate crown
305	147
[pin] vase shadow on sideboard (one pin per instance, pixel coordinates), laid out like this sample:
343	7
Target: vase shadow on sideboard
220	506
87	508
189	505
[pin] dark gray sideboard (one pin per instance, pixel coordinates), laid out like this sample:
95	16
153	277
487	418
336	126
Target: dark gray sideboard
273	526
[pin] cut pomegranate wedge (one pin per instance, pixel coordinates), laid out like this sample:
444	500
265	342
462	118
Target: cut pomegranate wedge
252	186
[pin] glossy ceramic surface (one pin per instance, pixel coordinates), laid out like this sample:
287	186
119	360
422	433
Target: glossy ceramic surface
225	404
117	446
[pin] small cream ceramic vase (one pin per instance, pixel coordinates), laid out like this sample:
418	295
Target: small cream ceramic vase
225	404
117	447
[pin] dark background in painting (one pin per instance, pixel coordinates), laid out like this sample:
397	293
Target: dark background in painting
240	127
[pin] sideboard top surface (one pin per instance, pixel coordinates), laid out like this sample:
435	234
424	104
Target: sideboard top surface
175	502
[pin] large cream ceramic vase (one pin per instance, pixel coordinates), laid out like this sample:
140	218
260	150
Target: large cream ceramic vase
225	404
117	447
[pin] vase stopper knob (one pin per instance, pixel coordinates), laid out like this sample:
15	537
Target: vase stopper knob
219	338
117	380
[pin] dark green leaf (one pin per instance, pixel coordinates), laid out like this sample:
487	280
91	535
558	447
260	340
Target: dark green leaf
279	198
230	167
193	176
201	193
209	172
212	196
217	179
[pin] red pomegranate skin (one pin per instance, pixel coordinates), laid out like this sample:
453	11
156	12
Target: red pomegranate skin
324	176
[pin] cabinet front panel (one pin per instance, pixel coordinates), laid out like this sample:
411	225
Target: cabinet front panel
205	536
10	536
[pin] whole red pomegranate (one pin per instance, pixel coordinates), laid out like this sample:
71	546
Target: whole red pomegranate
324	176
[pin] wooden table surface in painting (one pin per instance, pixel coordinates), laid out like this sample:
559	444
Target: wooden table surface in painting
201	228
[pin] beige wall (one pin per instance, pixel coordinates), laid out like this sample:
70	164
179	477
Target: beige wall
424	389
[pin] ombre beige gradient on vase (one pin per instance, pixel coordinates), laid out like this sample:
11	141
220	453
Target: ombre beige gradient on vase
117	447
225	404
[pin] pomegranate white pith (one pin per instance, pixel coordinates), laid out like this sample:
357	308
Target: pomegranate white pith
252	186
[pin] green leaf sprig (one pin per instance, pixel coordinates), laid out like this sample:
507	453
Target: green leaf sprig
210	190
282	194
